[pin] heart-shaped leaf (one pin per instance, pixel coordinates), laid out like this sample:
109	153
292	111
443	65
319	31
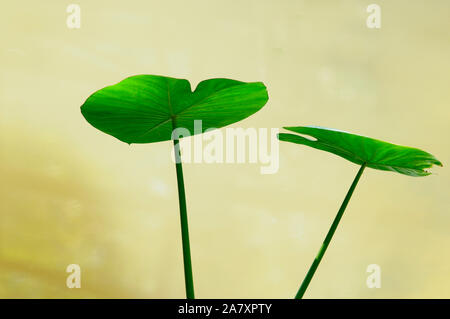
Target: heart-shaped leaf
147	108
360	149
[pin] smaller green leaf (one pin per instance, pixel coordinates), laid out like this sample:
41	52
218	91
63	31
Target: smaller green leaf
360	149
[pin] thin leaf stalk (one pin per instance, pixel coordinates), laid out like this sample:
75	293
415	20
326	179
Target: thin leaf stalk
329	236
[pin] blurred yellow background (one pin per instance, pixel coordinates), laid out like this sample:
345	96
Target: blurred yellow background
73	195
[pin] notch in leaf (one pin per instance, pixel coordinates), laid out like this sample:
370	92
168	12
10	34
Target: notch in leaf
149	108
361	150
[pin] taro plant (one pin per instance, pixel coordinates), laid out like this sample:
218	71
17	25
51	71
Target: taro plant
363	151
150	108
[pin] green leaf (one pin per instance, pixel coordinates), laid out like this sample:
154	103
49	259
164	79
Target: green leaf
146	108
360	149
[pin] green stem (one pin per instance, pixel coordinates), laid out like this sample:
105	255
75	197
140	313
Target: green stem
329	236
188	278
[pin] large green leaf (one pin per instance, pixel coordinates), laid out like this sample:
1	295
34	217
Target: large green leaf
360	149
146	108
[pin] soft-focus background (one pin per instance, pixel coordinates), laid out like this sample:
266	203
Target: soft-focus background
70	194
